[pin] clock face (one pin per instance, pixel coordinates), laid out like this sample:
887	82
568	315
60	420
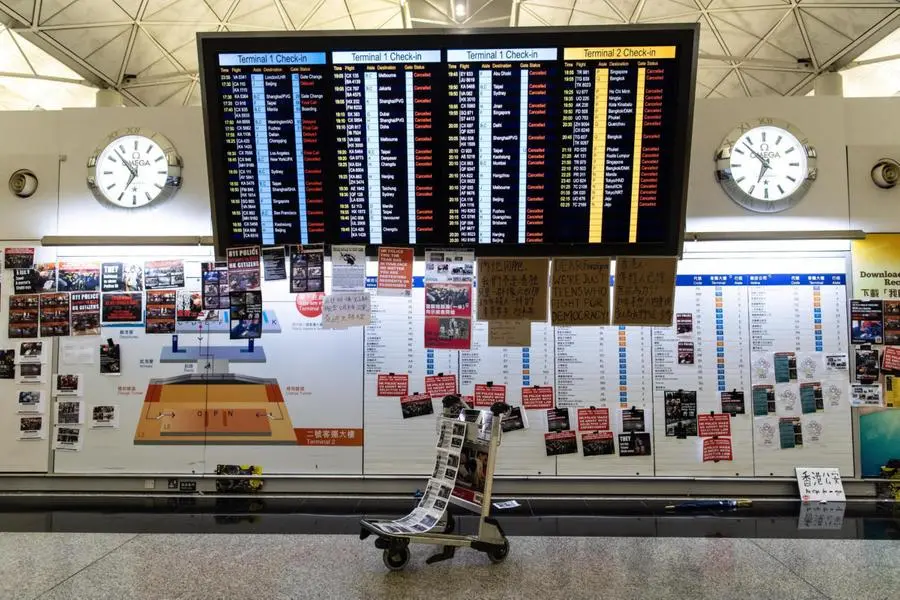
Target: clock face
765	167
134	169
768	163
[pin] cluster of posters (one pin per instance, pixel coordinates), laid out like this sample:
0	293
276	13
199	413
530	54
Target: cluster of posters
448	467
597	439
449	277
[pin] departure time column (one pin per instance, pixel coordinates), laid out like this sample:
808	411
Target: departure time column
234	88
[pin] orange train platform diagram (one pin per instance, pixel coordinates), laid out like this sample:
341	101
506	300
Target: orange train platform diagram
214	409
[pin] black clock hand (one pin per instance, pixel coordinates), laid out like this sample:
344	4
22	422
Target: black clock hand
756	154
762	171
131	169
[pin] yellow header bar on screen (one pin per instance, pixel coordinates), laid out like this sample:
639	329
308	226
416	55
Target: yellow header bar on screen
620	53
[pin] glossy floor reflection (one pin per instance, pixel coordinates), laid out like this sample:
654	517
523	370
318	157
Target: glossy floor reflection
182	566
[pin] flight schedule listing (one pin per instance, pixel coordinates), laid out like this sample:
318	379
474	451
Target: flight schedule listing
275	116
386	132
502	144
618	113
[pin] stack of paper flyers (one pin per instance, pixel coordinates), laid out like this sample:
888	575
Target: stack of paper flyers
433	503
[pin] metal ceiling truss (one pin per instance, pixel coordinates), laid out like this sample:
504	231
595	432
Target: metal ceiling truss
748	47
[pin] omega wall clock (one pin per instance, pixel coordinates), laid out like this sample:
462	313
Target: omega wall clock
766	165
134	168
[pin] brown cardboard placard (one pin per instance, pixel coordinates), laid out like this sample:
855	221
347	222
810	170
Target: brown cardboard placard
516	334
512	289
579	291
644	291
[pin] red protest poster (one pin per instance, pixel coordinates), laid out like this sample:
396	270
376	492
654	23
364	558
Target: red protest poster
393	385
537	397
716	449
440	385
890	361
714	425
395	268
448	315
487	394
593	419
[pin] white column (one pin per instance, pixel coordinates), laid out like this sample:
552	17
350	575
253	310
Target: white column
410	157
373	155
523	152
485	154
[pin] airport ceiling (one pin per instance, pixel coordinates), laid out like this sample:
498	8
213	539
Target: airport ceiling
146	48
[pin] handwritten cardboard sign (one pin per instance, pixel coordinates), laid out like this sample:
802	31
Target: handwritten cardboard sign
820	484
346	309
579	291
512	289
393	385
714	425
515	334
537	397
644	291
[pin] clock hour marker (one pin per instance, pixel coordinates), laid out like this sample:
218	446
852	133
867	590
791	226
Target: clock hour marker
134	199
149	148
148	196
780	190
112	158
739	179
791	178
764	136
161	172
749	139
110	186
119	199
796	164
122	148
752	187
107	172
733	165
738	150
791	149
766	191
158	186
778	141
135	144
159	159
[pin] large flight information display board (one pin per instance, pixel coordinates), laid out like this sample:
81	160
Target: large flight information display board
516	141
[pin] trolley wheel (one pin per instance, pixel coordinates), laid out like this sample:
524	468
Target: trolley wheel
395	558
498	554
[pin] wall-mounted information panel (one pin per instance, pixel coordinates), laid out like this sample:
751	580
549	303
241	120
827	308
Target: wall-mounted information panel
546	142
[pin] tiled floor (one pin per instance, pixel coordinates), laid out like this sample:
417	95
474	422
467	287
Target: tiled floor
337	567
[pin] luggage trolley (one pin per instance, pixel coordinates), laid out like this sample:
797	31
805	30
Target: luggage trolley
489	538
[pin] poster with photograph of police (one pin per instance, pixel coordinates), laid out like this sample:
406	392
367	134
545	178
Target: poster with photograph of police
416	405
30	401
681	413
68	438
598	443
104	415
31	427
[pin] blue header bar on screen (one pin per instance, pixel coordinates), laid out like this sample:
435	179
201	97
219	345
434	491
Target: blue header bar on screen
267	59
